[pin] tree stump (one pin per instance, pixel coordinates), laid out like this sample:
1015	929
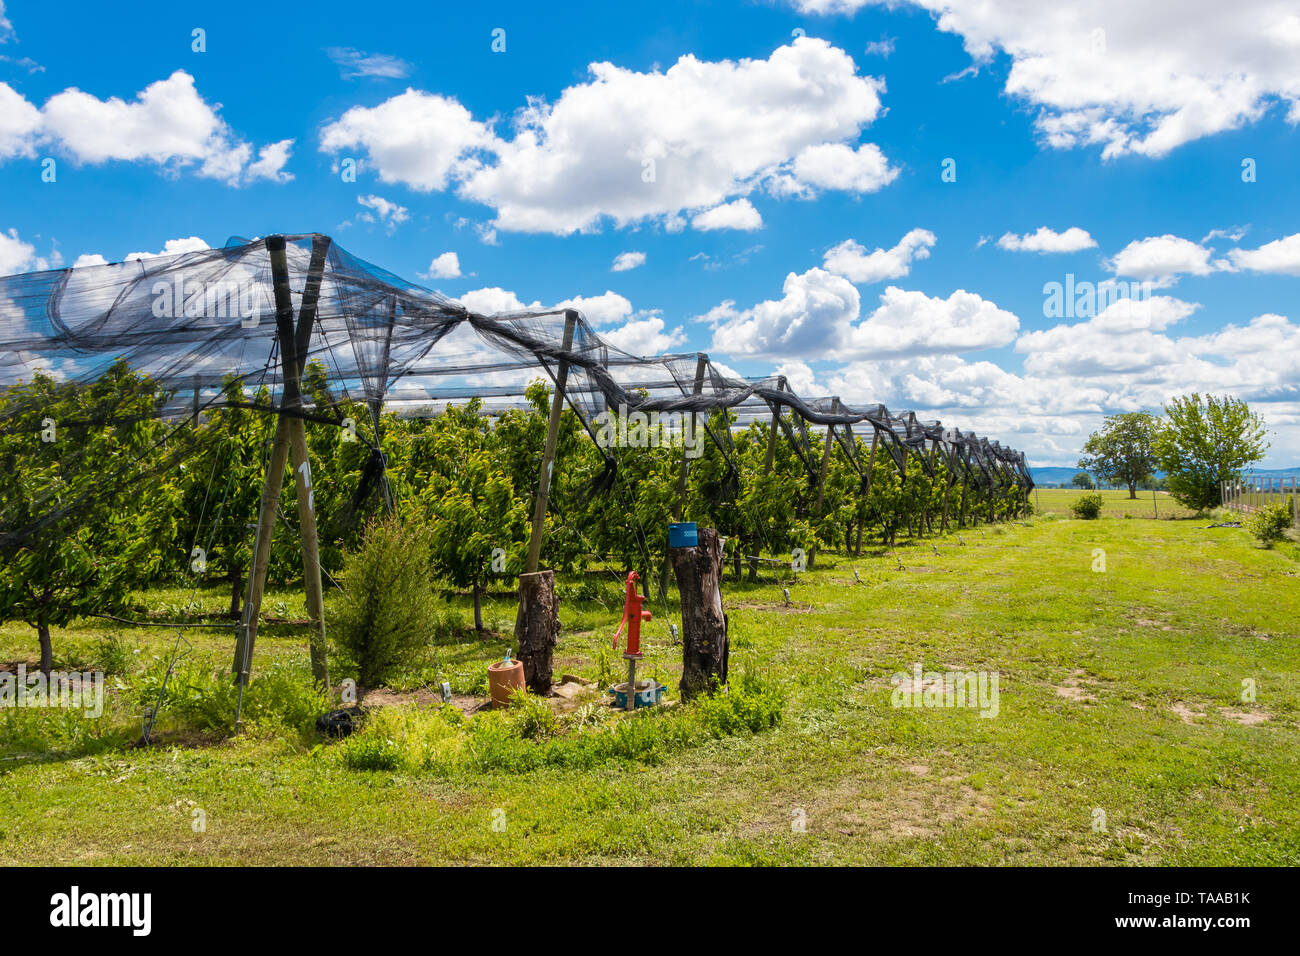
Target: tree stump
704	624
537	628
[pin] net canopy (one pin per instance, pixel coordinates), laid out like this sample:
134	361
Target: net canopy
198	321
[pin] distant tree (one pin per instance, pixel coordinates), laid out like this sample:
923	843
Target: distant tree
1205	442
1083	480
1123	451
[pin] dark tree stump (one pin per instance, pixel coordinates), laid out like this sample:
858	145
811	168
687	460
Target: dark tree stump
704	623
537	628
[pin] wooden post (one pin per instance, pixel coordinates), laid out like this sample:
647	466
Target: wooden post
537	625
548	454
965	483
947	492
684	470
768	463
261	556
925	512
290	438
293	356
866	486
705	644
771	433
1295	505
821	478
537	628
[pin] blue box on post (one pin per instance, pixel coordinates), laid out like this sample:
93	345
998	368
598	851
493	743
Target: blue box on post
682	535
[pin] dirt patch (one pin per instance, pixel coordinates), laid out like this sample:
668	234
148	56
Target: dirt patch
1247	718
915	688
1075	694
910	812
1076	686
1185	713
1147	622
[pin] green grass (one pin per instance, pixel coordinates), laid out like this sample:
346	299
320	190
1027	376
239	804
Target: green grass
1120	691
1118	503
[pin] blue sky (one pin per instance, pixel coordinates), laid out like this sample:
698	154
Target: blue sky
797	216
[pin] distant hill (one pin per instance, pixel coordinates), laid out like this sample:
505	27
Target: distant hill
1053	476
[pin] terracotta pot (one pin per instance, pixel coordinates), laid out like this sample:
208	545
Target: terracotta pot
504	679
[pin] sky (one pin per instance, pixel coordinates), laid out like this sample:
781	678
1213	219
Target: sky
1011	216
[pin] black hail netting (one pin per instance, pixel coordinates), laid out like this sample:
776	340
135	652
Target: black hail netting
194	322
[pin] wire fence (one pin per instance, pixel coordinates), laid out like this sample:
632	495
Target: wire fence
1255	492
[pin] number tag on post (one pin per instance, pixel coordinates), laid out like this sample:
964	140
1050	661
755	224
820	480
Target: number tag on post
305	471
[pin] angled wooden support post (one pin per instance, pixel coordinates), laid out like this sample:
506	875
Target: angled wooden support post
298	445
290	439
537	623
548	452
261	555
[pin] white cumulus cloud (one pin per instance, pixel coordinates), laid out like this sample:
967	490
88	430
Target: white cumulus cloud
838	166
445	266
737	214
168	124
1044	240
1281	256
1141	78
15	254
1160	260
626	261
631	147
418	139
852	260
